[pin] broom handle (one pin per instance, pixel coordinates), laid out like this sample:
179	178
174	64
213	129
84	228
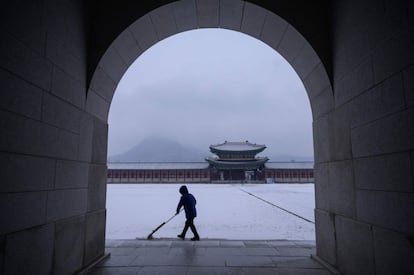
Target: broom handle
155	230
171	218
161	225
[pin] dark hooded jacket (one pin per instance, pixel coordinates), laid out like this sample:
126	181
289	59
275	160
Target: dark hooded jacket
188	201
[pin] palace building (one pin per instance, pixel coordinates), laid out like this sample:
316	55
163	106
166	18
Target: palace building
234	162
237	161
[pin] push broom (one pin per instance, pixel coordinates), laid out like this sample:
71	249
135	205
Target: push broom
161	225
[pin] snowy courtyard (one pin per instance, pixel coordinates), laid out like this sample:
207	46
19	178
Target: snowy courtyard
224	211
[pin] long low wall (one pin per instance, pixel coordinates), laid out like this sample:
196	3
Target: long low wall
137	176
201	172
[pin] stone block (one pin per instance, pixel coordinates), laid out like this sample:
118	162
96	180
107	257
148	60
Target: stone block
143	32
306	61
386	209
14	137
341	189
322	104
60	113
69	241
273	30
66	203
113	65
185	15
325	236
382	100
25	173
253	19
99	141
393	55
394	133
70	62
386	172
97	105
317	82
351	49
322	138
341	147
163	21
18	58
102	84
68	88
64	145
85	138
97	187
408	76
127	47
68	145
207	13
22	210
394	253
321	171
291	44
43	140
19	96
30	251
231	13
71	174
354	82
354	247
95	236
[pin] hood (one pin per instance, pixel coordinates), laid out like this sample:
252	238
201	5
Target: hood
183	190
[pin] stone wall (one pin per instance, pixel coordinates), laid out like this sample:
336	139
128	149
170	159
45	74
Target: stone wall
59	69
364	184
52	195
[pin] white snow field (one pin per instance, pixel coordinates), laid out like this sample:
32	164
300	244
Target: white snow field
224	211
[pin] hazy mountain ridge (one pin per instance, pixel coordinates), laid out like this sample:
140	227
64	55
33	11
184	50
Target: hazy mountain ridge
160	150
167	150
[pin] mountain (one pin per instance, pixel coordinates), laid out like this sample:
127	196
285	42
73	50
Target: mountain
160	150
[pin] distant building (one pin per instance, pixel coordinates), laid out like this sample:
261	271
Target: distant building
235	162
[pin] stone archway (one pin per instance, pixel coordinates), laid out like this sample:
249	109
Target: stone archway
234	15
54	127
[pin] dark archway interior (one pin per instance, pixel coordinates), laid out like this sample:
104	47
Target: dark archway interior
60	62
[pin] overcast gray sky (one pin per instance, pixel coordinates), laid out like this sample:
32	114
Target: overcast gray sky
206	86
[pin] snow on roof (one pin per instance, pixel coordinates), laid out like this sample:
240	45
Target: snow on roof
237	146
157	165
289	165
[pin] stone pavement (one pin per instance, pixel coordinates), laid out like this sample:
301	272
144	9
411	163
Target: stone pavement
170	256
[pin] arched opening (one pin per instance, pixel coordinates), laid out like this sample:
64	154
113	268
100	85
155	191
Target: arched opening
187	92
235	15
54	132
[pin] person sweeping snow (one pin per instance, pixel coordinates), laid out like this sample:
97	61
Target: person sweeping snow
188	201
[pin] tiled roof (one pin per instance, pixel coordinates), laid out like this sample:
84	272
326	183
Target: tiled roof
238	146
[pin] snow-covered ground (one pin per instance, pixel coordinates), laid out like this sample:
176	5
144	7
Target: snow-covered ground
224	211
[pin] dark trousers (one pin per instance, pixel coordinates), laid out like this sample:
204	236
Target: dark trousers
190	223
